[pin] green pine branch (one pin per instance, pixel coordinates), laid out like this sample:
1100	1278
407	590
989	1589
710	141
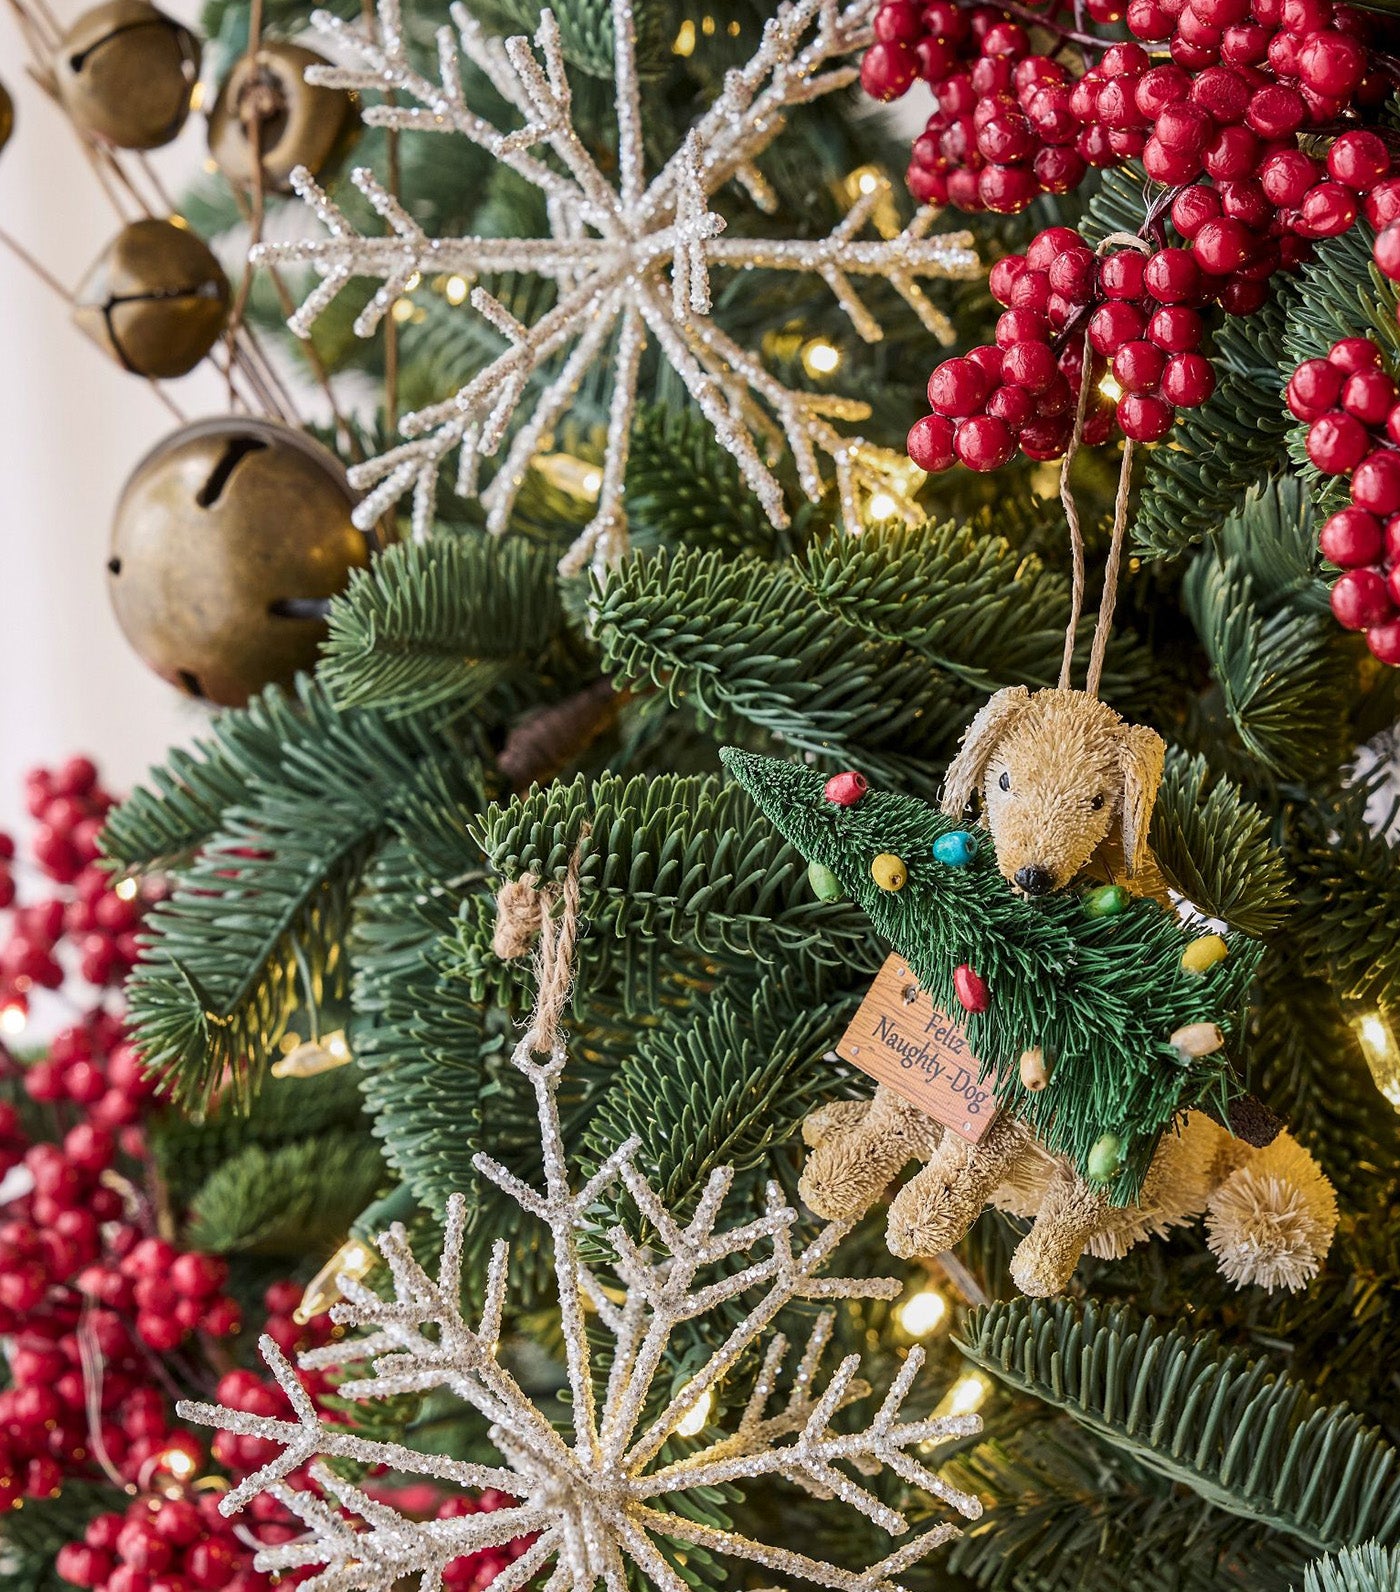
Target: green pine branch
1246	1440
742	645
464	621
1368	1568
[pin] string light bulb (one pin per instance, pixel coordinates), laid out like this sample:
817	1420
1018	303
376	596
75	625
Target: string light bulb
692	1423
13	1019
566	473
966	1396
1110	387
921	1315
820	358
1377	1040
125	889
882	506
684	42
310	1058
353	1259
454	290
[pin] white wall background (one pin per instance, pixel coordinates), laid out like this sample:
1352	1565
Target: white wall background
72	425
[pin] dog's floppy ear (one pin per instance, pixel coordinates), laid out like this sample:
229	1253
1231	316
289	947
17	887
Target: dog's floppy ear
978	742
1142	753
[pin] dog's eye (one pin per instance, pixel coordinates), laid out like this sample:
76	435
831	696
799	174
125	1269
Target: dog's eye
1005	781
1096	802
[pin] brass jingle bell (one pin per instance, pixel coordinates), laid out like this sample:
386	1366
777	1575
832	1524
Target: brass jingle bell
228	541
7	116
156	299
126	72
299	123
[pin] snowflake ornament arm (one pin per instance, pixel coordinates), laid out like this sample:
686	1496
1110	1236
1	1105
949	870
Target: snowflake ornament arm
610	249
595	1498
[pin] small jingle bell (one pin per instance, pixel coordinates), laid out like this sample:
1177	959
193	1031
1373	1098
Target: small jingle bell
156	299
825	885
298	123
955	849
126	72
845	790
889	871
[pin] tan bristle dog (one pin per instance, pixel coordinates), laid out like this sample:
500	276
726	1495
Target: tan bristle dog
1065	782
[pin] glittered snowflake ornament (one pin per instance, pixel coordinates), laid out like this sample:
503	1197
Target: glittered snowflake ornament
631	260
595	1498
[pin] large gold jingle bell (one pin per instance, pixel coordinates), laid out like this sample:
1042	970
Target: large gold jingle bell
125	73
155	300
228	540
299	123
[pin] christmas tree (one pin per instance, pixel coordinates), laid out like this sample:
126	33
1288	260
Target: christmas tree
640	389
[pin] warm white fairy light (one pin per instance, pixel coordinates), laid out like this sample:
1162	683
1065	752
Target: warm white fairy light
455	289
632	259
921	1315
309	1058
125	889
594	1497
967	1395
1378	1046
13	1019
820	358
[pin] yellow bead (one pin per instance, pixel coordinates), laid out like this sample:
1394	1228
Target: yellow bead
1203	953
1034	1069
889	872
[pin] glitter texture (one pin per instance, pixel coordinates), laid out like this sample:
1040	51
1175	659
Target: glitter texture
594	1497
610	249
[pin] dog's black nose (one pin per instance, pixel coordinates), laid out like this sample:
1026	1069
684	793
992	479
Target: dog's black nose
1035	880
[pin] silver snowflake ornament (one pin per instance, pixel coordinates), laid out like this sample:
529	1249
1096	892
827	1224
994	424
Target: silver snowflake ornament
611	249
594	1497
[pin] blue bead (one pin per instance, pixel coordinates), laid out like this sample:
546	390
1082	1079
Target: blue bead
957	848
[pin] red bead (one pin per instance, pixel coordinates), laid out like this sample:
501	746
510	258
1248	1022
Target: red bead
1375	482
1384	642
1351	538
1144	418
930	443
1360	599
1337	443
984	443
1354	353
1386	252
846	789
1188	381
970	990
958	387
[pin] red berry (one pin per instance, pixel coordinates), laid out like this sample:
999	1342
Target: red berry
1327	210
1331	63
1375	482
1223	246
1337	443
1383	204
1188	381
888	70
958	387
1121	274
198	1275
1176	328
1351	539
1030	365
142	1547
1015	405
1193	207
1144	418
1138	366
1354	353
1059	170
83	1565
222	1319
210	1564
1006	190
1168	166
178	1521
1384	642
1359	159
1112	325
1386	252
1073	274
1369	395
930	443
984	443
898	22
1286	175
161	1333
1360	599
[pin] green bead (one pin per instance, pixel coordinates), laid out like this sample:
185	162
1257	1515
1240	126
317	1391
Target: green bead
825	885
1105	1158
1106	902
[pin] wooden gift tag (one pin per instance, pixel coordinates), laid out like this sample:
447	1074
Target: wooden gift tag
900	1038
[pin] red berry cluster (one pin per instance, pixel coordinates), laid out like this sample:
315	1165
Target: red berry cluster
1139	314
162	1544
1353	409
86	914
254	1394
1245	79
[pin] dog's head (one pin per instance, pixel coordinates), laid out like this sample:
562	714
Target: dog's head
1056	770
